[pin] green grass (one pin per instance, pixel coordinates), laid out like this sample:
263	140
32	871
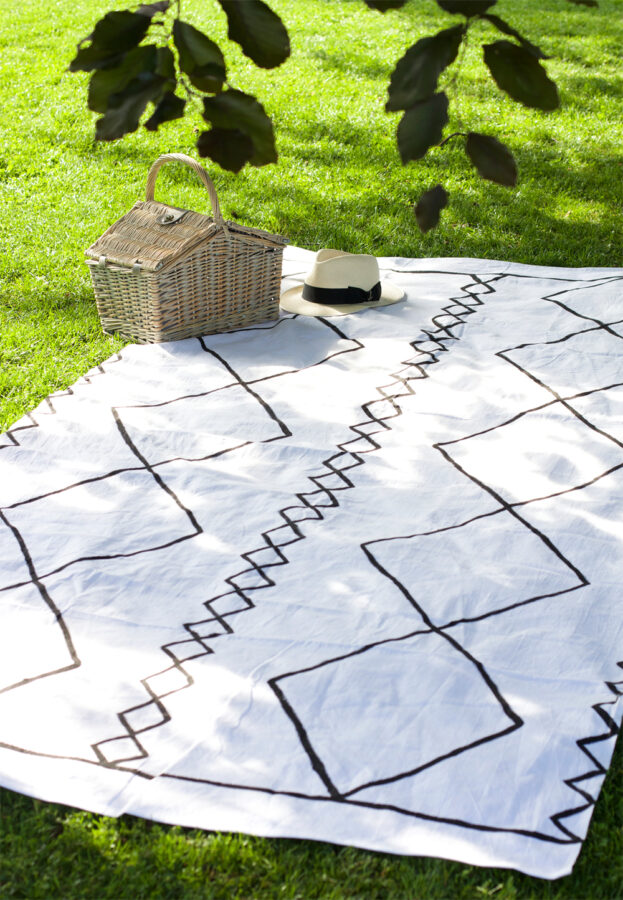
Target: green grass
338	183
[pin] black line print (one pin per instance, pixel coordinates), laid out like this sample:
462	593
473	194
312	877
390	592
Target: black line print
127	440
316	763
102	556
309	514
58	616
512	510
85	379
82	759
517	503
541	406
150	467
567	836
581	582
246	385
91	480
145	465
583	744
283	317
577	487
612	729
319	766
378	414
318	319
196	528
561	340
363	804
284	428
586	285
565	402
582	284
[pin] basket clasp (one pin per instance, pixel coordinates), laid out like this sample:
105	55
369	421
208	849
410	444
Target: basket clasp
171	216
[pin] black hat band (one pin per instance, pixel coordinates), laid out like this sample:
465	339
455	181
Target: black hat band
339	296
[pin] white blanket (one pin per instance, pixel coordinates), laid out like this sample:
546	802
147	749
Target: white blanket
353	579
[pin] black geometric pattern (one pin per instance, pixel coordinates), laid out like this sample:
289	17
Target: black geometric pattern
10	514
146	469
570	393
32	644
495	585
313	504
578	580
46	408
112	536
581	300
333	734
498	456
255	575
597	770
194	428
71	660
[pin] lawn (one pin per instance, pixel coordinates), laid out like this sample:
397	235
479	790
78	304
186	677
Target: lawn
338	183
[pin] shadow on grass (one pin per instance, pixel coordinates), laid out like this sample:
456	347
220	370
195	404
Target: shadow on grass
603	22
512	227
579	88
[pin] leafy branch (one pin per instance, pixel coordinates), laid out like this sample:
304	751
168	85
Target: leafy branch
149	57
515	66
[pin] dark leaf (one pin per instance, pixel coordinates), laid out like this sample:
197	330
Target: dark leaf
466	7
521	75
492	158
89	58
416	74
200	58
150	9
105	82
429	208
584	2
126	107
384	5
120	31
165	65
259	31
234	110
229	147
422	126
169	108
505	28
113	35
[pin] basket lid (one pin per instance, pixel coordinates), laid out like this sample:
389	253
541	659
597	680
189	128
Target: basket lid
154	235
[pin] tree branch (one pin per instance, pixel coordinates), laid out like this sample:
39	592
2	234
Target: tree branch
450	136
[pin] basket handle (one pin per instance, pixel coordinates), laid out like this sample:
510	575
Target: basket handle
197	168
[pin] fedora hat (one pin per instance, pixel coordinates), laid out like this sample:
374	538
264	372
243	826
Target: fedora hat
340	283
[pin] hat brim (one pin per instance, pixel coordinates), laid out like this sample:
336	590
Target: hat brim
292	301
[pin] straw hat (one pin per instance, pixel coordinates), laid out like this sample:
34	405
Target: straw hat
340	283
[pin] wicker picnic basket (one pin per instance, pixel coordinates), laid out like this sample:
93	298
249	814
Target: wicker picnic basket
162	273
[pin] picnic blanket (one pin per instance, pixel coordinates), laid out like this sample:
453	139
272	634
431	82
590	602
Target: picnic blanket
351	579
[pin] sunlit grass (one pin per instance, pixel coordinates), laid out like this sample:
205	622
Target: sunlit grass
339	182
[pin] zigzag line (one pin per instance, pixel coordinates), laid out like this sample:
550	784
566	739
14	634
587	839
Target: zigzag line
584	743
86	379
379	412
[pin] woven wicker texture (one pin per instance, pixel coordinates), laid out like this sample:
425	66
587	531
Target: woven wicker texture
163	273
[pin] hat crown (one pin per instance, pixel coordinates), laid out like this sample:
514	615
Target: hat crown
338	269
